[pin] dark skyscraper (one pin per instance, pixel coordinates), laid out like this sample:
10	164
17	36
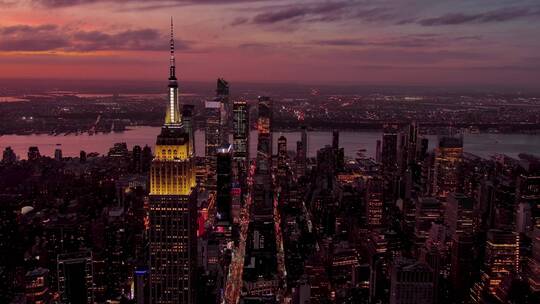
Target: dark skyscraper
390	148
224	184
264	127
335	139
9	156
75	277
282	155
173	211
222	94
188	112
213	134
33	153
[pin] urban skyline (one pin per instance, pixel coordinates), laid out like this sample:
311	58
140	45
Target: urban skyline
238	199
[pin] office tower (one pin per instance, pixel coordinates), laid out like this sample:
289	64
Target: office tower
524	218
37	289
428	211
501	260
411	282
188	113
448	157
282	156
304	138
528	195
224	185
412	143
241	130
298	158
459	214
75	277
374	201
136	158
213	132
339	152
222	94
459	218
264	127
172	208
33	153
146	158
9	156
301	153
58	153
389	152
390	162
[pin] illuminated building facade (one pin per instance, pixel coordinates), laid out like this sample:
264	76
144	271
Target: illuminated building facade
374	201
448	157
533	263
501	259
172	208
37	286
241	130
428	210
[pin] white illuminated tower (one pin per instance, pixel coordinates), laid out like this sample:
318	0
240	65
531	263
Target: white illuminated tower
173	115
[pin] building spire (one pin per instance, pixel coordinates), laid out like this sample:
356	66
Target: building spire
172	72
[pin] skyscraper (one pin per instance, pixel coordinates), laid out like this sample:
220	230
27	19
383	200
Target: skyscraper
188	111
460	219
241	130
224	184
501	259
374	201
389	148
75	277
172	213
411	282
448	157
282	156
213	134
222	95
264	127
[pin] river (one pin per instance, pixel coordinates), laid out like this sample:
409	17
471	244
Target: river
484	144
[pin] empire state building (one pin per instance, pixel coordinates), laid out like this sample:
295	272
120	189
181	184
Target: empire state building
173	210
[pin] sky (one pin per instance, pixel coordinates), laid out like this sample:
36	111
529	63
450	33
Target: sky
384	42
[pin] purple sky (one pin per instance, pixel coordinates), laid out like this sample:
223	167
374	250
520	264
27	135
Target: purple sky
429	42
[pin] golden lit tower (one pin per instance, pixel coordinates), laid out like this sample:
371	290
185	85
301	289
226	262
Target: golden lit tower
173	210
